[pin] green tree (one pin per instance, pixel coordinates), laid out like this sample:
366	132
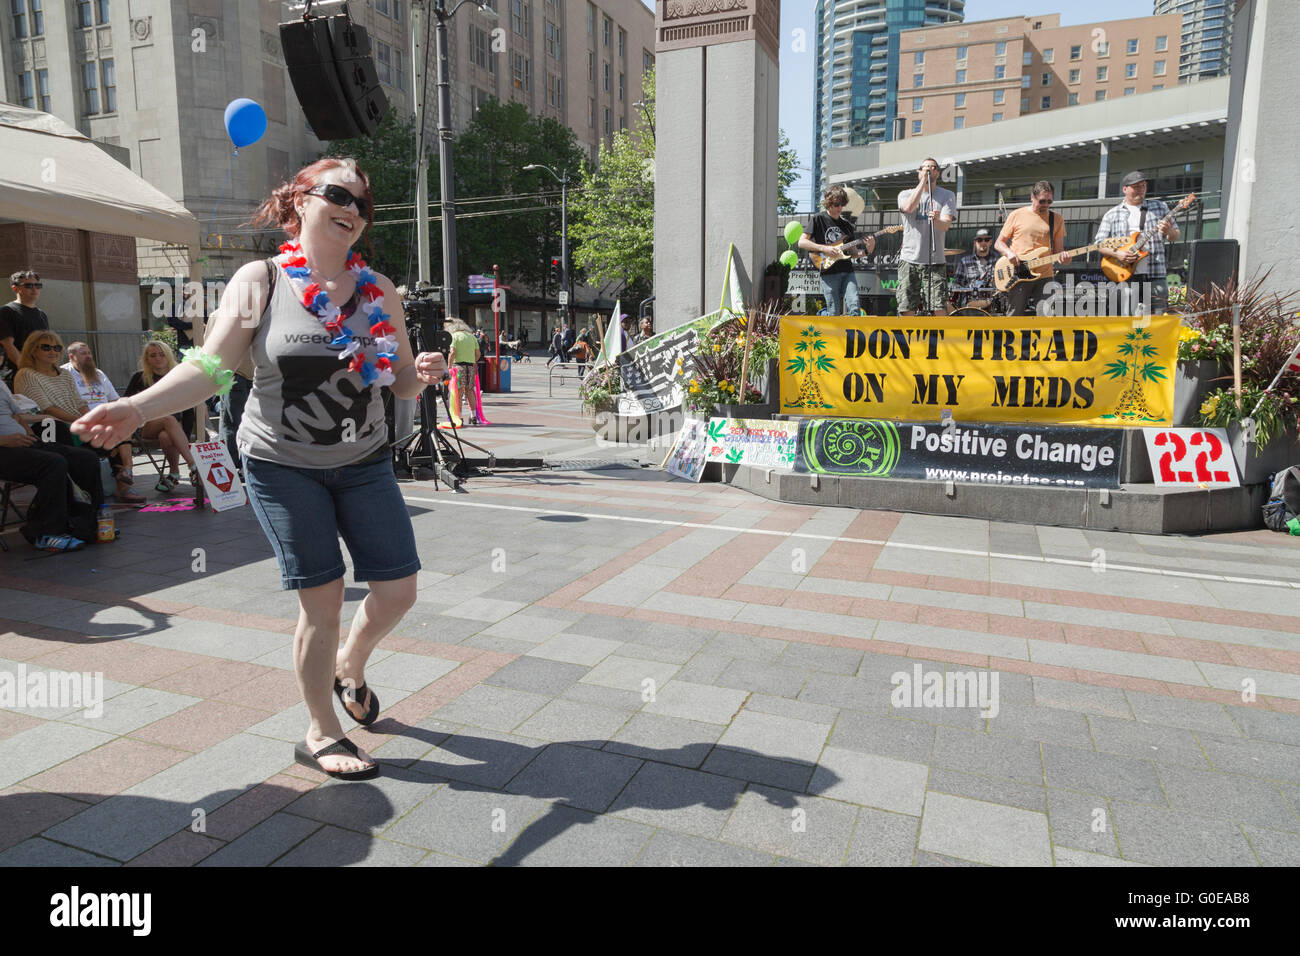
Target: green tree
500	219
612	220
787	171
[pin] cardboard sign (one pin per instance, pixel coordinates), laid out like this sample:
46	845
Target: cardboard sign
1044	456
1065	370
217	473
688	455
1191	457
751	441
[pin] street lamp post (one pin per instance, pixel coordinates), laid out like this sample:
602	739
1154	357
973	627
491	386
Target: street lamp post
450	292
563	180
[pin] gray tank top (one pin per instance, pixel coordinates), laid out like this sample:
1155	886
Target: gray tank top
306	409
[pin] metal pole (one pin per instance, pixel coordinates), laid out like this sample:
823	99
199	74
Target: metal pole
421	155
450	296
564	249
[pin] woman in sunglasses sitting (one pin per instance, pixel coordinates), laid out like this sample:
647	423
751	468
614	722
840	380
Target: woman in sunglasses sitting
326	334
54	391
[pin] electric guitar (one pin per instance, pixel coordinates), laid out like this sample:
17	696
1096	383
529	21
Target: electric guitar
1117	271
1037	263
841	248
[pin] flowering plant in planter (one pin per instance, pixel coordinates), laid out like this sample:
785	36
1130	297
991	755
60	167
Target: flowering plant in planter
716	376
599	387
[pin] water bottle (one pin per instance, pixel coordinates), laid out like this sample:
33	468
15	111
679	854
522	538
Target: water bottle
106	530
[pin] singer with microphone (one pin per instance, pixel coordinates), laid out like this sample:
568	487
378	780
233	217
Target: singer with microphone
927	211
326	334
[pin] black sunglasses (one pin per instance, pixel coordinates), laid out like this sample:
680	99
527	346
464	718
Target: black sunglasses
46	347
341	197
31	285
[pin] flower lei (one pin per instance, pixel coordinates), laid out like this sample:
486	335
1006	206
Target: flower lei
317	301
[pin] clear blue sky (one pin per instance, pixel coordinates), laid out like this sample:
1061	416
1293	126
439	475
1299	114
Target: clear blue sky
797	59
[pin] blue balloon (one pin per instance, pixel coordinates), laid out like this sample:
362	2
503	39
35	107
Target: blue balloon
245	122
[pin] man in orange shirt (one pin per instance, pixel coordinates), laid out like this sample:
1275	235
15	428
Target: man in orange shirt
1028	228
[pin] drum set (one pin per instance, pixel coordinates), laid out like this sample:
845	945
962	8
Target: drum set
982	300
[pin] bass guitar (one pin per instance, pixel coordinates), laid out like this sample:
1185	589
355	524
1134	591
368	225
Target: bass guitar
1037	263
1117	271
841	250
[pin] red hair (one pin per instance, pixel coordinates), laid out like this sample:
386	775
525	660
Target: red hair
279	209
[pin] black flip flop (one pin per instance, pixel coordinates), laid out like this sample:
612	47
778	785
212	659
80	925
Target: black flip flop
341	689
341	747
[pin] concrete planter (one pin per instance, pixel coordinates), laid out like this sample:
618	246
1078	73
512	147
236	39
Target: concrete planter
757	410
1256	463
1193	382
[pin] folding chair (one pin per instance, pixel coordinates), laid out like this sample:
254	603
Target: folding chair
6	504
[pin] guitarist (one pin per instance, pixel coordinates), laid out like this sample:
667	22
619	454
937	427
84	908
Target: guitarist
827	229
1138	214
1028	228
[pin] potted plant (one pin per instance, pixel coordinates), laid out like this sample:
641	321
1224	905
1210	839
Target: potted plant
714	388
1263	424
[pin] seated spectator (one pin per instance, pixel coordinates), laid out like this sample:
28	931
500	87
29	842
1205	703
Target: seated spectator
94	388
55	393
156	360
48	468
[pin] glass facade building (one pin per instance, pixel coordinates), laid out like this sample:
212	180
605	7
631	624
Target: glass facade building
1207	36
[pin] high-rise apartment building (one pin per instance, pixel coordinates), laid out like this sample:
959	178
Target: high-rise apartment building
1206	36
858	68
151	83
960	76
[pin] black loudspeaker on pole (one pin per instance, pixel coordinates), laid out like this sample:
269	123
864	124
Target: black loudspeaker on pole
334	76
1213	261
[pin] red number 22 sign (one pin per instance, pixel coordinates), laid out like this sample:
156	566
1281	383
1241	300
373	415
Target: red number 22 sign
1199	457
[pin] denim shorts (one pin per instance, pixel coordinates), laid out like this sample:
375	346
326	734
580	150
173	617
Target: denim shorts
304	511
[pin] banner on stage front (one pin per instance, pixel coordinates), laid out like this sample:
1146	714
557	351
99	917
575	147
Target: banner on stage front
1024	455
1104	370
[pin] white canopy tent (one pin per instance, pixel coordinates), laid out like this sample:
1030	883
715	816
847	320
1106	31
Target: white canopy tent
54	175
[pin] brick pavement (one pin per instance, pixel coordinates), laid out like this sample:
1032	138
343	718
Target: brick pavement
611	667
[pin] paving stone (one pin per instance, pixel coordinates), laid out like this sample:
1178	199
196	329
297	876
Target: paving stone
265	843
1274	848
567	836
581	777
527	627
32	751
999	790
836	690
589	725
829	660
442	859
626	700
772	679
1067	857
764	819
408	672
672	740
630	673
680	698
472	823
924	858
984	832
368	806
759	768
745	648
1148	741
1091	699
480	757
617	629
795	709
414	742
704	668
481	608
1237	798
679	799
1179	712
331	847
1074	818
1164	837
1267	724
679	849
895	737
883	839
771	736
574	648
988	754
41	852
537	675
1048	724
870	780
492	708
1126	778
1255	758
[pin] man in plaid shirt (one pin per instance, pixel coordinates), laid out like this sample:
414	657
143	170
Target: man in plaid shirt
1139	214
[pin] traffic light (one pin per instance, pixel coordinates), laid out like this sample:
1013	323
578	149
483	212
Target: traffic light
555	271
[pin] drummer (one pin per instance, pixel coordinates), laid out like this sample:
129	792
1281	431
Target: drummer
975	271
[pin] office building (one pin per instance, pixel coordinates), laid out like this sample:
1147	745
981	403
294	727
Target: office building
857	70
1206	36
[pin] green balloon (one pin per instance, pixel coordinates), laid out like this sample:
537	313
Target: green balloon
789	259
793	230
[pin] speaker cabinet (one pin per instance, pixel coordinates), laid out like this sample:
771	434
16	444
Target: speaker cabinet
334	76
1213	261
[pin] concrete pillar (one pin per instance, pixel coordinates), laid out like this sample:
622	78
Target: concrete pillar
1103	169
716	104
1262	140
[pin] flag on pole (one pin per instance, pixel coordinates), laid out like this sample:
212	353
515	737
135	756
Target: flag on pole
733	298
613	344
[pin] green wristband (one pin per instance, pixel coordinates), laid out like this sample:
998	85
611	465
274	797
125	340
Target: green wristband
210	365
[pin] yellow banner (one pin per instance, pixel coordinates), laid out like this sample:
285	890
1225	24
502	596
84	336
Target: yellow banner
1106	370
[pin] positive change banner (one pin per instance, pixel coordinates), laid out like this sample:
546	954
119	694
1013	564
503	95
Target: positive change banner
1054	456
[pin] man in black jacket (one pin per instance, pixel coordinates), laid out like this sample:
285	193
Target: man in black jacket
19	319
